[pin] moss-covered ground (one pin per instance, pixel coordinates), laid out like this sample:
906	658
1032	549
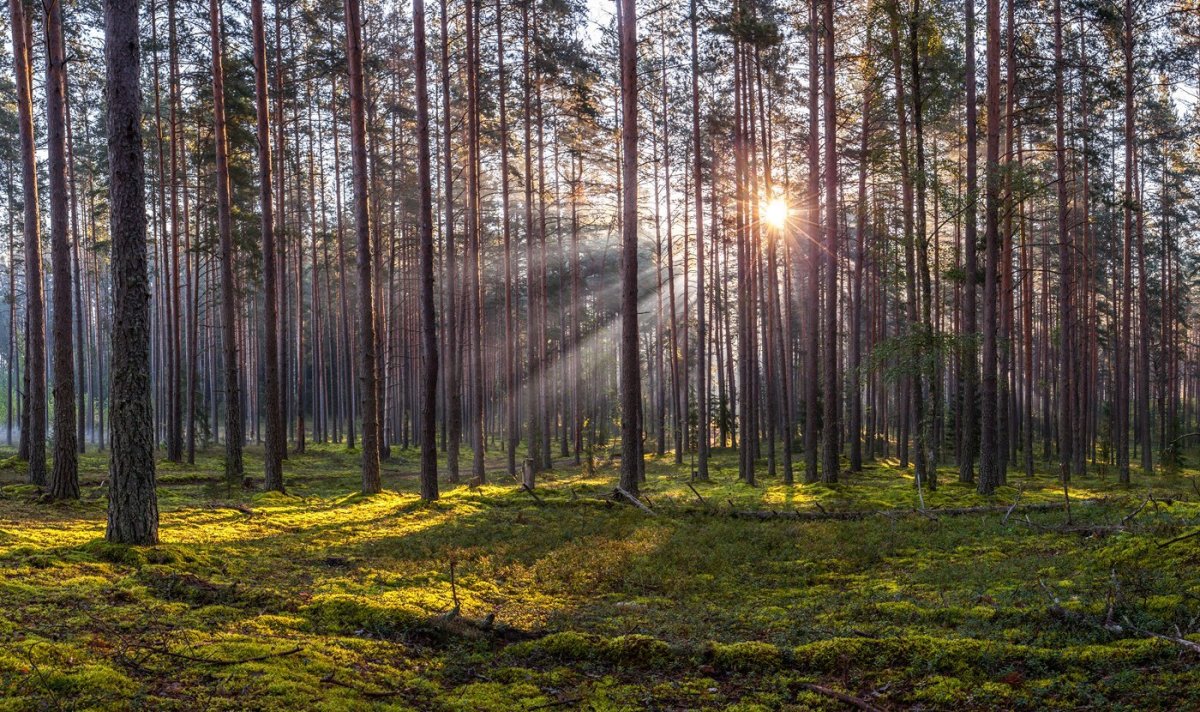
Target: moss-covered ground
491	600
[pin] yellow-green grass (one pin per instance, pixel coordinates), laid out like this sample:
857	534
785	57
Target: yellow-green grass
324	598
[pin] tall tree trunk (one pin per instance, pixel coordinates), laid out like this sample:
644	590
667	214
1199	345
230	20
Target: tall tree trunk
533	365
812	297
831	399
969	376
702	375
33	431
1121	429
453	374
275	442
860	256
371	481
990	455
174	384
64	479
132	505
233	393
429	353
631	381
510	333
474	298
1066	434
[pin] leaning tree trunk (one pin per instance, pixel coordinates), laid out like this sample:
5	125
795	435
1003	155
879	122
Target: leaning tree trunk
132	505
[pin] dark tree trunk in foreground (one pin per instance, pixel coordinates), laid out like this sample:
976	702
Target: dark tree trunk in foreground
989	445
429	354
831	400
701	325
631	379
275	440
233	391
813	256
1066	436
969	376
64	480
132	504
371	482
453	374
33	431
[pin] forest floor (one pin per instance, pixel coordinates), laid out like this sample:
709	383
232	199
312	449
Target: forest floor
490	599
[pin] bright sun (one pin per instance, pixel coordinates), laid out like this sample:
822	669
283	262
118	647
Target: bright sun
775	213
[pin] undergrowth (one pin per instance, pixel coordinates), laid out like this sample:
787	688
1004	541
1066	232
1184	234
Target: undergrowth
490	599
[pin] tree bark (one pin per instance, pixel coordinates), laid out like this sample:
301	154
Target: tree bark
64	479
132	504
275	442
368	377
631	383
831	399
989	454
233	391
33	432
429	354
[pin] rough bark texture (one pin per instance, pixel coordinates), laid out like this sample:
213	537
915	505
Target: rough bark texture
64	480
701	326
989	451
275	436
631	381
33	431
132	504
831	400
969	375
362	228
429	354
233	391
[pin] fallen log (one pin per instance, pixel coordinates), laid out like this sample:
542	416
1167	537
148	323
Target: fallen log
635	501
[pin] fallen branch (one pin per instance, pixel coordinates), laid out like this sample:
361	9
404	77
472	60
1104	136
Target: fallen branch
222	661
1016	500
635	501
331	680
1135	512
1182	642
1179	538
555	703
842	696
533	494
941	512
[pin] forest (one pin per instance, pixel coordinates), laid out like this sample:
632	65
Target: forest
569	354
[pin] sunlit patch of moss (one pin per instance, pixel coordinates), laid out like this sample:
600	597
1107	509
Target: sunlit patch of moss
641	611
750	656
339	613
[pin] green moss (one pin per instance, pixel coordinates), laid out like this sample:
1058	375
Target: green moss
103	550
616	610
357	616
747	657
